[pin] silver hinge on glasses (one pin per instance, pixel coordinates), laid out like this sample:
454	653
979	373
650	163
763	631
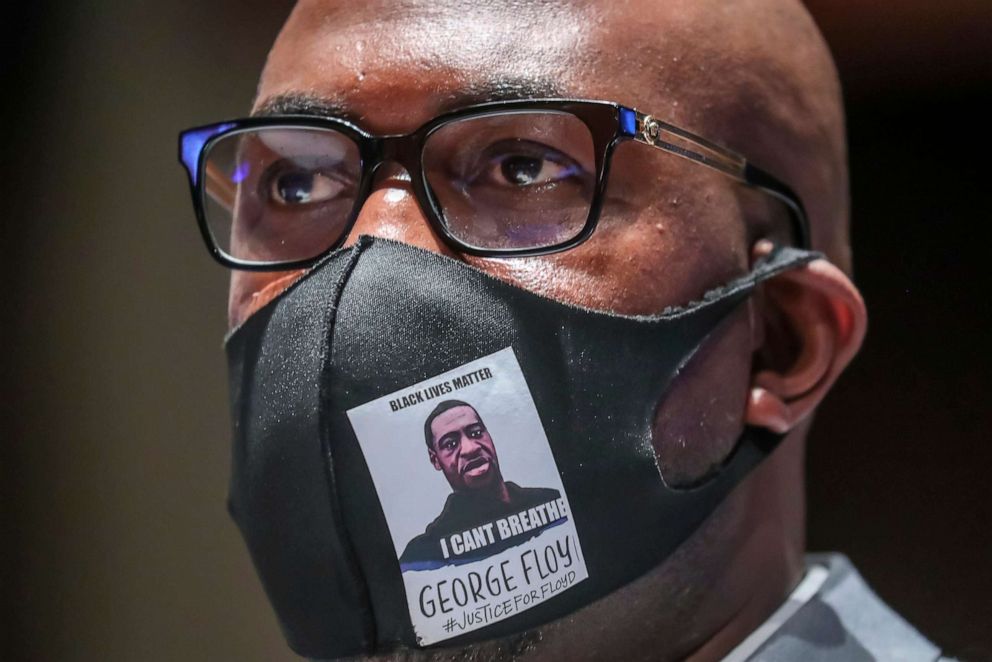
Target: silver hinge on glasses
650	129
673	139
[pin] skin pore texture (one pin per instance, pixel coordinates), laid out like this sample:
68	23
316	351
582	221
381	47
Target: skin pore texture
753	75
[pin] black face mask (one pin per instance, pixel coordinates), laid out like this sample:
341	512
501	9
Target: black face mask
382	331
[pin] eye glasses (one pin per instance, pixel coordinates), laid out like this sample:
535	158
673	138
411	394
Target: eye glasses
512	178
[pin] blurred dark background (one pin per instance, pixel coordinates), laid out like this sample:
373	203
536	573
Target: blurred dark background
114	540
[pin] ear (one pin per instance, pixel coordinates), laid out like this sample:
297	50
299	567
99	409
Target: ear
433	456
813	323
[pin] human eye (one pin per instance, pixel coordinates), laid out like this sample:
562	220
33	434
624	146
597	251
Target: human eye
294	186
524	164
475	431
448	442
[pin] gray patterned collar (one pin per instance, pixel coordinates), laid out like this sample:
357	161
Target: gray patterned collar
831	616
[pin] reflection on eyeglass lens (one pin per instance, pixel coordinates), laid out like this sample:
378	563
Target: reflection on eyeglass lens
293	191
520	180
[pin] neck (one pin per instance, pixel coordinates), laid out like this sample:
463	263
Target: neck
496	490
777	580
770	563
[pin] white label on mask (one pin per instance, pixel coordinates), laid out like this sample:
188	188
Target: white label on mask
476	509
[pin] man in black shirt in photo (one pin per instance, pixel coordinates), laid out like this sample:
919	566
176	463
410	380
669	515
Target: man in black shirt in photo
459	445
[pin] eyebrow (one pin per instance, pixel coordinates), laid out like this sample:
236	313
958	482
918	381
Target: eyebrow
501	89
301	103
505	89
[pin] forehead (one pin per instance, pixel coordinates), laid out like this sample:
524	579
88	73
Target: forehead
453	419
393	65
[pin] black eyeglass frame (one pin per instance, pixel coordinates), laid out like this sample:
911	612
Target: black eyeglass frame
609	124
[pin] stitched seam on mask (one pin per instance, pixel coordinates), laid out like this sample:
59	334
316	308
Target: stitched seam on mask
325	442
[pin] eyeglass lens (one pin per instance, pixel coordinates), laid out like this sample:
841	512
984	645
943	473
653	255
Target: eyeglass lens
507	181
512	181
280	194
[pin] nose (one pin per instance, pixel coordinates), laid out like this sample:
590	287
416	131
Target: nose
392	212
469	446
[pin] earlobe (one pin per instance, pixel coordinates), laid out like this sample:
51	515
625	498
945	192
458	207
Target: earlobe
433	457
824	316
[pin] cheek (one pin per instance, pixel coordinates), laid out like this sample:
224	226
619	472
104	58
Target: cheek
637	263
451	467
668	232
250	291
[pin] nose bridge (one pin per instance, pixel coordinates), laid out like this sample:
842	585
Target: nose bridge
467	443
395	207
402	150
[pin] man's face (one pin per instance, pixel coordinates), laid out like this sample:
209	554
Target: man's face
463	450
669	231
748	74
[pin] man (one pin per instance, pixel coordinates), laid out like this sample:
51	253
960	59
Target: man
459	446
753	75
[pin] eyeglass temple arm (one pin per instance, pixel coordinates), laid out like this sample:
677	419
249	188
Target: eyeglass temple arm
651	131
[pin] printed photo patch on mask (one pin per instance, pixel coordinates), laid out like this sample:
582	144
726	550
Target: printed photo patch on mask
472	496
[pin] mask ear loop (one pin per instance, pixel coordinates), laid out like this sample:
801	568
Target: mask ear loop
658	398
755	443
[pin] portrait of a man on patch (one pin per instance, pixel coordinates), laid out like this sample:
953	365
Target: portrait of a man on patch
484	514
